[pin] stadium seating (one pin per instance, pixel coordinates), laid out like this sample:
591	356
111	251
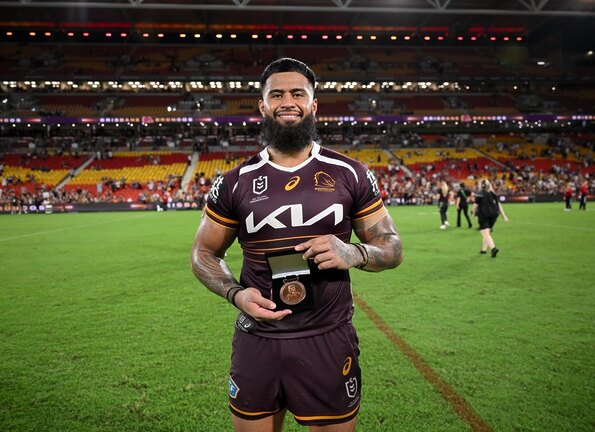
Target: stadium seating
126	174
33	173
209	164
486	76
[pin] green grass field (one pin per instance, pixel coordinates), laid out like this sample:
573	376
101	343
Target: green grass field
104	328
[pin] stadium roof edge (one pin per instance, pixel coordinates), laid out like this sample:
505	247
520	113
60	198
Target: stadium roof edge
431	7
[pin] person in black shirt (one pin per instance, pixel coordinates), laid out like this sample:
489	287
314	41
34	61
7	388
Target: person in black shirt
487	207
462	205
443	195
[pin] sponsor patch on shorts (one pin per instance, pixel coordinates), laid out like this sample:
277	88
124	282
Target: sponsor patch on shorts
233	388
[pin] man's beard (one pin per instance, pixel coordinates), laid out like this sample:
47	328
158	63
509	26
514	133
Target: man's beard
292	138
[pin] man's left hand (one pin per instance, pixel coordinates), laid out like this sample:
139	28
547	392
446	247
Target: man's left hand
329	252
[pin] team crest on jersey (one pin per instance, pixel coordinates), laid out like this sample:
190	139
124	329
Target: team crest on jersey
351	387
233	388
323	182
260	185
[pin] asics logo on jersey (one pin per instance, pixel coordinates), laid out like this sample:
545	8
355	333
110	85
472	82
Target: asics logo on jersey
296	213
293	182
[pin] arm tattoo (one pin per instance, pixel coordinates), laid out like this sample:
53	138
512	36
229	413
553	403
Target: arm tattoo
351	255
213	272
384	247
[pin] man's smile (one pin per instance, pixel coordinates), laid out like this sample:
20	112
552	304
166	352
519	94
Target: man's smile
289	115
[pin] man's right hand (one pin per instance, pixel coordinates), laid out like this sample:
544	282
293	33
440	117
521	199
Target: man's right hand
251	301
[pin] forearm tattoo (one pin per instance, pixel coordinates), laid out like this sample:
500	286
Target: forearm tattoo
384	248
213	272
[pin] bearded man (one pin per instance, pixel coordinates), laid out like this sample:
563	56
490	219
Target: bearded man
293	208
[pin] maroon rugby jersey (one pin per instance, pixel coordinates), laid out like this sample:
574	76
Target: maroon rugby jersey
274	208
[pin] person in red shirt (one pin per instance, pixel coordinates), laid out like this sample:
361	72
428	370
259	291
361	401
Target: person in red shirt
568	197
583	192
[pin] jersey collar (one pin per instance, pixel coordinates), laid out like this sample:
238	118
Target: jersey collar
264	155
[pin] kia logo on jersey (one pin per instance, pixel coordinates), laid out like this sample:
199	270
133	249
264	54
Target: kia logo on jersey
296	217
260	184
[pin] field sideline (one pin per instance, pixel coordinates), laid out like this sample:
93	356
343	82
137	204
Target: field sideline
104	328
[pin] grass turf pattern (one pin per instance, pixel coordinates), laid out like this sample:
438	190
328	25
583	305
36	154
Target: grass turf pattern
104	328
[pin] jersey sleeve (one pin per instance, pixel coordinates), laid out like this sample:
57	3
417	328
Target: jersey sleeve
367	200
220	206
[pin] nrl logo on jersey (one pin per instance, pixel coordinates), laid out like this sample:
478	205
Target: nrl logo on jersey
260	185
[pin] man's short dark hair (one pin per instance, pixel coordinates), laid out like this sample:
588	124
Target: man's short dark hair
287	64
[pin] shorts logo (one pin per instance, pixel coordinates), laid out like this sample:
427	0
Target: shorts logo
260	184
323	182
347	366
293	182
233	388
351	387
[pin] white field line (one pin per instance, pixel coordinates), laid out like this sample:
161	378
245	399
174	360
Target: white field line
69	228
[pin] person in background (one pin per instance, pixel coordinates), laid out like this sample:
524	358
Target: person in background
294	197
568	196
583	191
487	207
462	205
443	196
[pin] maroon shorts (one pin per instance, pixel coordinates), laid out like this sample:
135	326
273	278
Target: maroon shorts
318	378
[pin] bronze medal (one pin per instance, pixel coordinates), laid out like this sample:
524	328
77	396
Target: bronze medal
292	293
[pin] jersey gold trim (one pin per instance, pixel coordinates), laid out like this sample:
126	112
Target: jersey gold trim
221	218
379	202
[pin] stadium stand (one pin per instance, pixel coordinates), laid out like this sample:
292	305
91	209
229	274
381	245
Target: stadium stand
132	176
173	114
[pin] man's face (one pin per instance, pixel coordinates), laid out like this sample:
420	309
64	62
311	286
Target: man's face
288	108
288	97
